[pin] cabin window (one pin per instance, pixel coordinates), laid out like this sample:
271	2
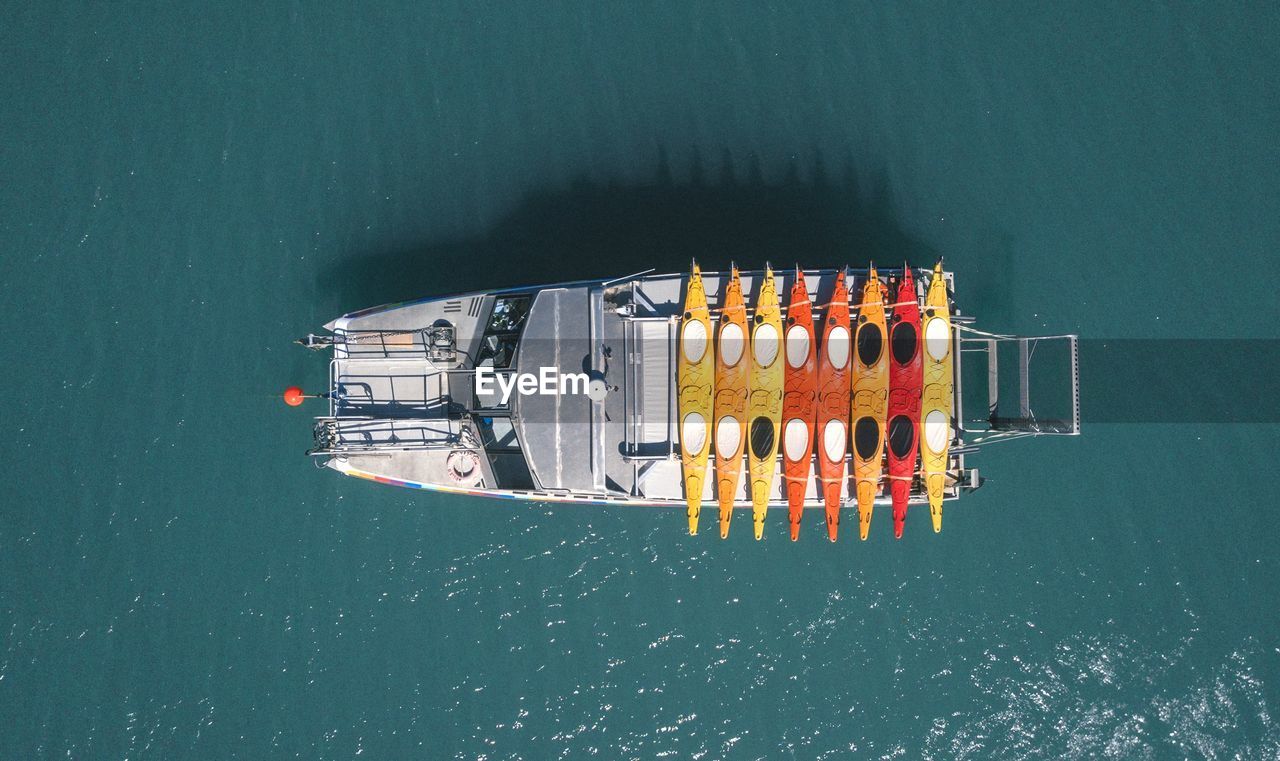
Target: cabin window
502	333
497	433
502	447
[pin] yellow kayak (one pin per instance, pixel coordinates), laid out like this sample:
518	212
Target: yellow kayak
764	406
732	371
695	373
935	410
870	391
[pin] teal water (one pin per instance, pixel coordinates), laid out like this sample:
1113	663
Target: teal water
184	191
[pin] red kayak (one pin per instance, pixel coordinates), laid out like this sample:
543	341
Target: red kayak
833	403
799	401
906	377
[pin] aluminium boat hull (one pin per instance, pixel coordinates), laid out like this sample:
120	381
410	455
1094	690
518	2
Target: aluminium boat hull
406	408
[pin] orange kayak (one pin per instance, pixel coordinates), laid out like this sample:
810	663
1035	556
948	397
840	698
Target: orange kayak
833	403
799	401
870	393
730	409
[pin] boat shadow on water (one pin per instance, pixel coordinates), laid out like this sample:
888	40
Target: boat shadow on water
592	229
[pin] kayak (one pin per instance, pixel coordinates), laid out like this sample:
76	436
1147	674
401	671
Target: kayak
833	403
730	397
935	407
799	401
905	378
870	391
764	405
695	374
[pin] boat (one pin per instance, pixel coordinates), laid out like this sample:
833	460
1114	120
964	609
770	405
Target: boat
571	393
833	403
764	402
905	379
935	406
695	370
799	401
870	393
732	373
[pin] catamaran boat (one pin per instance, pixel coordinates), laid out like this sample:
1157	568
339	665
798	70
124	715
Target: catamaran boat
669	390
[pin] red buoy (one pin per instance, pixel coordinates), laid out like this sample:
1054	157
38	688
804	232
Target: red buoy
293	396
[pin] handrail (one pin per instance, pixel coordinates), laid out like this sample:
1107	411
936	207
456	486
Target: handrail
435	343
448	438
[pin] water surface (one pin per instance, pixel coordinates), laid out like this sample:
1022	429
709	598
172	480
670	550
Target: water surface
185	190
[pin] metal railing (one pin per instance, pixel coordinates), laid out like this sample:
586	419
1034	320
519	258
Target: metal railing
329	432
437	343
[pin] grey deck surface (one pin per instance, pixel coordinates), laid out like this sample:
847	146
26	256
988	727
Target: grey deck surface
555	430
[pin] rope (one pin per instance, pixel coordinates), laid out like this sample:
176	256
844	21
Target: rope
998	436
1002	337
850	303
